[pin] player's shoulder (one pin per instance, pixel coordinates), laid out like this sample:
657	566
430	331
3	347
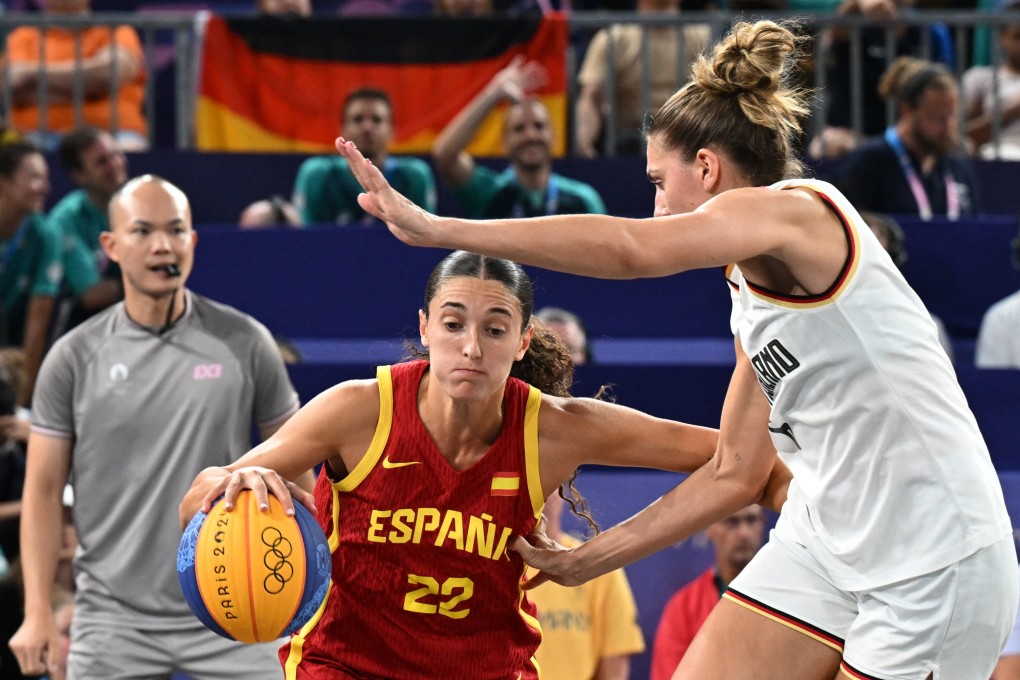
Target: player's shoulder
219	317
353	403
565	411
84	340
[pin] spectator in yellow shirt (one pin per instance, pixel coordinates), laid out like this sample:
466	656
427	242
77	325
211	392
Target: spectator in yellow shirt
588	632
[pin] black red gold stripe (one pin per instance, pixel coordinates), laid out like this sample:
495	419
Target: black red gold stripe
852	672
833	291
275	85
814	632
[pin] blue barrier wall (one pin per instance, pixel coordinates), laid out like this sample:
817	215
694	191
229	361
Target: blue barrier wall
220	185
695	394
358	282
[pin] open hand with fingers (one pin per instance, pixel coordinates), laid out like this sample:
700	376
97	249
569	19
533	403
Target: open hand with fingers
214	482
519	79
555	562
407	221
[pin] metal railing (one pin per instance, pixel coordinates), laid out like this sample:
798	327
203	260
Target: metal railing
177	36
961	25
164	36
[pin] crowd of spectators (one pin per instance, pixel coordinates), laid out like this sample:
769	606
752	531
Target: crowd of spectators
98	75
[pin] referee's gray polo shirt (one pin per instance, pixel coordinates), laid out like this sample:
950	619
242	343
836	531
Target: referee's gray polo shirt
147	412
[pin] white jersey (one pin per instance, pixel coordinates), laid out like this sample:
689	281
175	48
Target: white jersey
892	478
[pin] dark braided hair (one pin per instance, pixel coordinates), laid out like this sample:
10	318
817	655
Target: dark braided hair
546	365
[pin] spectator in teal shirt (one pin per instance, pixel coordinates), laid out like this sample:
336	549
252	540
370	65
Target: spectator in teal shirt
98	166
326	192
30	267
529	187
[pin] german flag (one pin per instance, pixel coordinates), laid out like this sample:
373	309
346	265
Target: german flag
278	84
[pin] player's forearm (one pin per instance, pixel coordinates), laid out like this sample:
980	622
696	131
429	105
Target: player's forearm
588	245
93	73
704	498
774	495
41	517
461	130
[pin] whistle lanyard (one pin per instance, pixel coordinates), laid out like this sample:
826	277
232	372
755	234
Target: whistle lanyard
552	197
917	186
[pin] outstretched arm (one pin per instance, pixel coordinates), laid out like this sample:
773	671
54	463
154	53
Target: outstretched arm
578	431
792	226
512	83
737	475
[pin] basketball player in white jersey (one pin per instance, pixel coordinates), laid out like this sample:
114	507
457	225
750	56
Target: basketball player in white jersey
893	556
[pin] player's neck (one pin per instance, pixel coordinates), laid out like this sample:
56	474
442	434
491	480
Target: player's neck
462	430
152	311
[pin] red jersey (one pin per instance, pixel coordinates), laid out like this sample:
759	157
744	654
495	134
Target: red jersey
423	585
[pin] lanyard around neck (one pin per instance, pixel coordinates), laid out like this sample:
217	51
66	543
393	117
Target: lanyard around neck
552	196
917	186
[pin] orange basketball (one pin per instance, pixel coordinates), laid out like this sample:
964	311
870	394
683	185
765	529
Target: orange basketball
250	575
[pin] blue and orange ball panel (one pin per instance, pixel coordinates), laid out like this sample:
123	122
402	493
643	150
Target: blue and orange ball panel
250	575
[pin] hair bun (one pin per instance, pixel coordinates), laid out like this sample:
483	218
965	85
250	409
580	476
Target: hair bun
750	60
740	101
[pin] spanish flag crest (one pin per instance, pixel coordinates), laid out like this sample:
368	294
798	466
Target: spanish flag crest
506	483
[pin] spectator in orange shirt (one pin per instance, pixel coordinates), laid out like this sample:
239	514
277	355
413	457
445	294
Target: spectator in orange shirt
116	109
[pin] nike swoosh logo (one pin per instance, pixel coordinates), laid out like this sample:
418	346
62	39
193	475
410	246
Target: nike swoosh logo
390	465
785	429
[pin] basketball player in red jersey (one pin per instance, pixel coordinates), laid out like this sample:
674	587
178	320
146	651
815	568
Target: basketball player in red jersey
431	469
